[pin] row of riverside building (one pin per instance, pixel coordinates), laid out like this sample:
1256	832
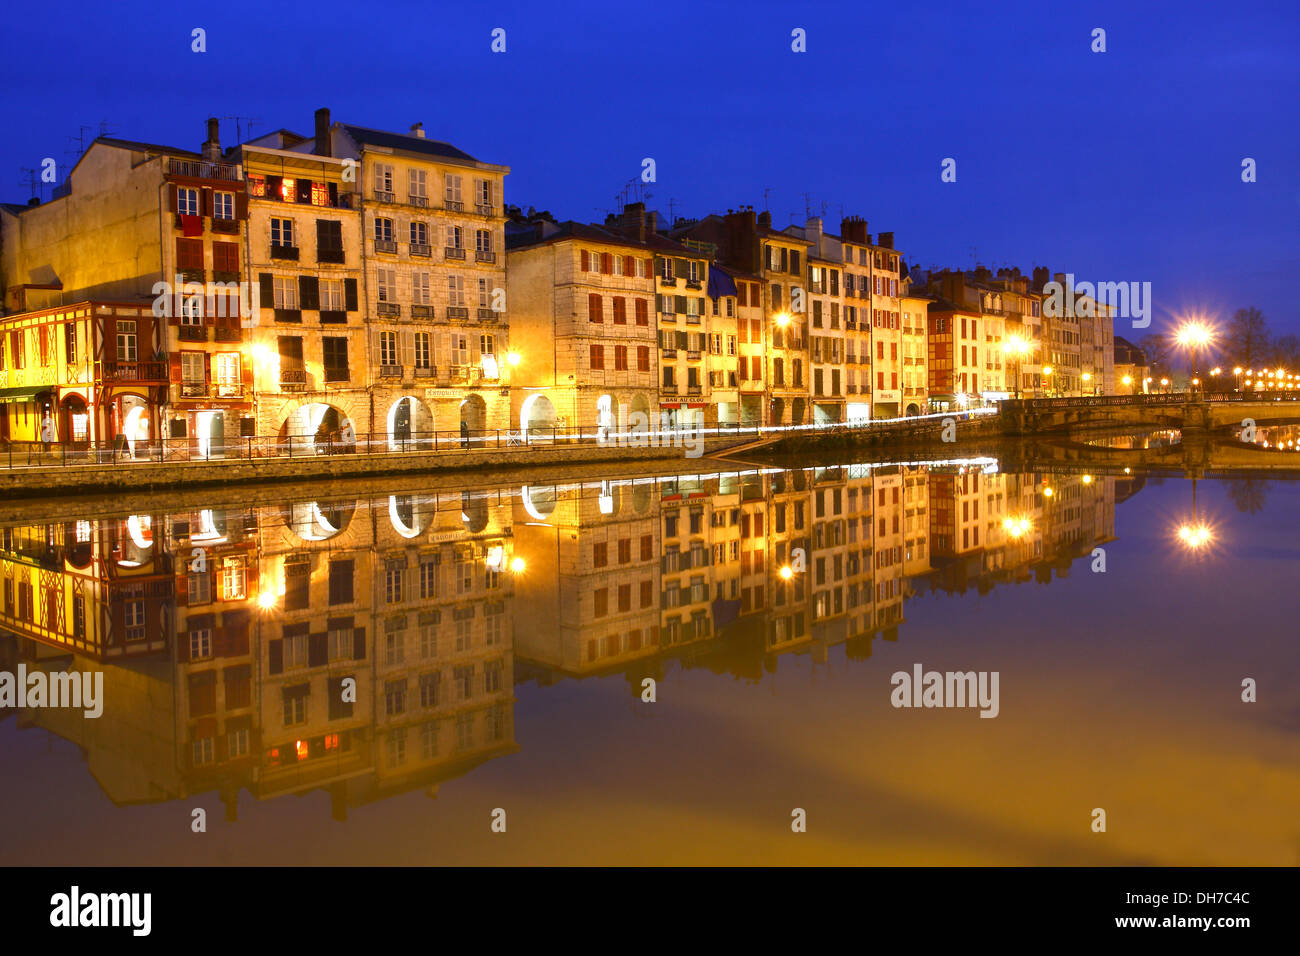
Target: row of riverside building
361	282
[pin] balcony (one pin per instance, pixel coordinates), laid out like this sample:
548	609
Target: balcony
192	333
694	390
692	319
668	389
457	312
382	196
334	256
386	245
293	379
197	169
194	389
693	355
485	209
463	374
487	314
421	311
229	333
228	226
668	353
694	284
134	372
230	390
223	275
388	308
453	252
422	249
669	282
390	371
284	252
426	371
422	201
454	205
484	255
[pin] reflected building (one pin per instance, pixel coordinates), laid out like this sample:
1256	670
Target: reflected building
367	648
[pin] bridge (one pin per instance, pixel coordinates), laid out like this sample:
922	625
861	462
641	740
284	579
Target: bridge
1181	410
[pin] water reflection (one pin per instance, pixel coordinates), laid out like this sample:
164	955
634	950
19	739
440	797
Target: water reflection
232	637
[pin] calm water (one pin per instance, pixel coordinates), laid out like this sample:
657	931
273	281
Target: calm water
499	641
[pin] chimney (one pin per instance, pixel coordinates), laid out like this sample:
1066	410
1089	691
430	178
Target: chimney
417	130
854	230
982	274
652	223
212	146
887	240
634	221
1060	278
323	132
34	201
1040	277
765	219
813	230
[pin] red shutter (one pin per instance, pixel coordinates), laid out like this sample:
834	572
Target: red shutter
586	263
174	360
241	205
171	197
246	372
607	263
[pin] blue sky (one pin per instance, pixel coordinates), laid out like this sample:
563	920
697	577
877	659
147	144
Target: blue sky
1117	166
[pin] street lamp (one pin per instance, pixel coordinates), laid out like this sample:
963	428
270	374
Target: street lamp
1127	380
1017	348
1047	373
1084	380
1193	335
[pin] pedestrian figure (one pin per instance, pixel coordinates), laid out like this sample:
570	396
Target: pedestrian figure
464	434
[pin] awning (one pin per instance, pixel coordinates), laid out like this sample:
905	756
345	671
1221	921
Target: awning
25	393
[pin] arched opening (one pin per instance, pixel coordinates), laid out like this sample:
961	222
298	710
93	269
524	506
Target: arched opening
473	420
408	516
473	512
538	502
75	425
913	410
317	429
604	416
537	414
778	412
410	424
210	430
136	424
318	521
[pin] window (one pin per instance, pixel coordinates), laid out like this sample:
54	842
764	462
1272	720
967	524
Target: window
598	357
194	371
281	232
459	349
620	358
329	240
383	230
225	256
200	644
340	587
595	308
233	580
388	348
428	579
456	292
384	178
421	289
419	233
335	354
284	292
187	201
451	189
223	205
423	353
483	240
483	192
331	295
295	706
419	187
456	237
643	358
487	345
126	343
387	284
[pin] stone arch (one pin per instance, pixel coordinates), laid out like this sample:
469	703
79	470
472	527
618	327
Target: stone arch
410	424
317	428
537	413
473	417
913	410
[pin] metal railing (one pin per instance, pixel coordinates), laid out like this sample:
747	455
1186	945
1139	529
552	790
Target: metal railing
36	455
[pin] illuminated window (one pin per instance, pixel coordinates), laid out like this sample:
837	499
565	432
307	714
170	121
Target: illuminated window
288	190
223	205
233	579
256	186
187	201
320	194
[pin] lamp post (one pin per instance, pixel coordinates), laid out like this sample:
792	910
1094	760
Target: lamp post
1084	379
1047	373
1016	348
1193	335
1237	372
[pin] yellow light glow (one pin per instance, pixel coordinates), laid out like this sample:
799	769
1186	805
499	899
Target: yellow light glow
512	358
782	319
518	565
1087	479
1237	370
1193	334
1047	492
1127	380
1047	370
266	599
1195	536
787	572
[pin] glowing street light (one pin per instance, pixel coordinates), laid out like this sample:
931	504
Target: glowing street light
512	357
1017	348
786	572
1193	335
518	565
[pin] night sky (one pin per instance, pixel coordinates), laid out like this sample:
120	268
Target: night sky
1117	166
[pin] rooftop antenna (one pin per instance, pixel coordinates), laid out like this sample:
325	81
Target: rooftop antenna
34	182
767	197
807	205
242	123
104	130
672	213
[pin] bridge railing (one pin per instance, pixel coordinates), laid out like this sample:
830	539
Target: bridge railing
1162	399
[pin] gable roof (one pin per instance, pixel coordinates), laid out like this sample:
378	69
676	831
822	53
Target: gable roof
413	144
